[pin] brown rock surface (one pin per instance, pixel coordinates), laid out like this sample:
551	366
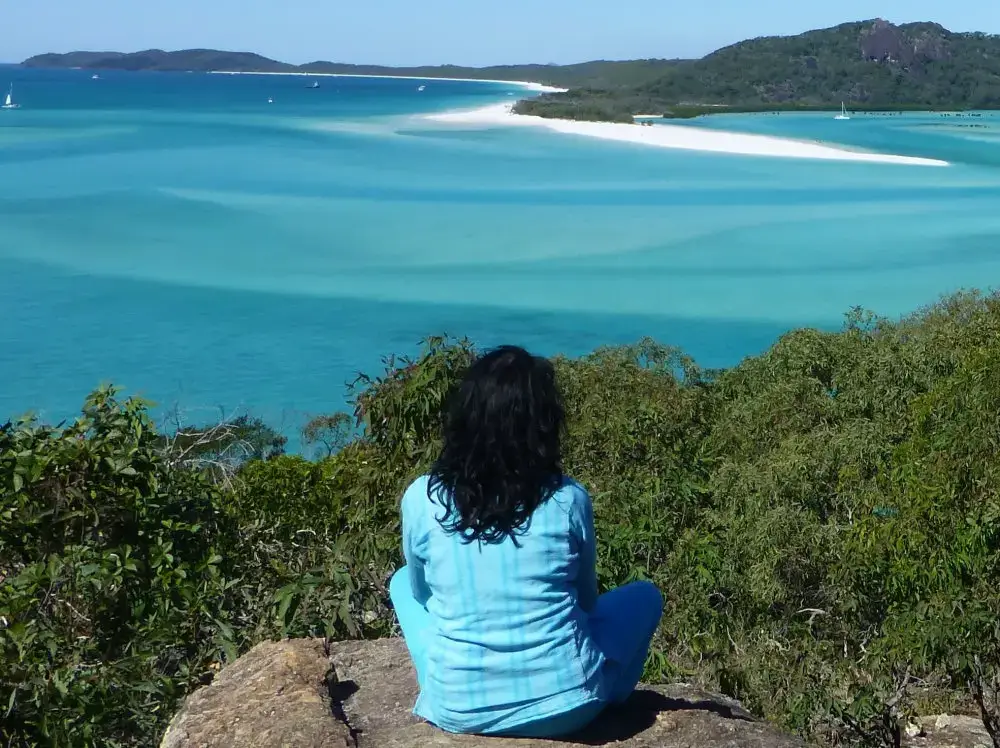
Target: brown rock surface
303	694
273	696
667	717
951	731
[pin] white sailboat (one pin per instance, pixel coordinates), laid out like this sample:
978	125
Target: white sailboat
843	112
8	103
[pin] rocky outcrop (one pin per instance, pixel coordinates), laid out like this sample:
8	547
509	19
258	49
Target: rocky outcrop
949	731
884	42
276	695
668	717
306	694
915	43
303	694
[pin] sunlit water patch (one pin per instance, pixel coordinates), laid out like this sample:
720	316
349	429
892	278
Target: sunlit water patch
181	236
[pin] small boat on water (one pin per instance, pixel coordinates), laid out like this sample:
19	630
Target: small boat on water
315	84
95	77
270	100
8	102
843	112
421	88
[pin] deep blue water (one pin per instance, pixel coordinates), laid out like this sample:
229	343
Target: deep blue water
178	235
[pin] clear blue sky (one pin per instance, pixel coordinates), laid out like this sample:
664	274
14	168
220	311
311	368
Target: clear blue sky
401	32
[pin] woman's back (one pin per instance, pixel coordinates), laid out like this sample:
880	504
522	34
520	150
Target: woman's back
510	640
498	599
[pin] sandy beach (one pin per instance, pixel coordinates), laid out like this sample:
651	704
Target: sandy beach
527	85
676	136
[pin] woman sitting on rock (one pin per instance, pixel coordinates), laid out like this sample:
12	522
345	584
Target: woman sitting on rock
498	599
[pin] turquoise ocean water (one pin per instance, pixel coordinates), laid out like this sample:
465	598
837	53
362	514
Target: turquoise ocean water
178	235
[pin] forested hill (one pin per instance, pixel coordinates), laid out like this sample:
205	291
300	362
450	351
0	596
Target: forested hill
598	73
867	64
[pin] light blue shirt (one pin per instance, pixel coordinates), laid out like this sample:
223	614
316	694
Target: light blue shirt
510	641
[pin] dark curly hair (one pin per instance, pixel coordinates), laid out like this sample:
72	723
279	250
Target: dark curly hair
501	456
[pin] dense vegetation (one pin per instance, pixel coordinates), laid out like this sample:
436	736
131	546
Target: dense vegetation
869	65
824	521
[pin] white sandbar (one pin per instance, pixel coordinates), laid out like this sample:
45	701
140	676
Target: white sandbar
677	136
523	84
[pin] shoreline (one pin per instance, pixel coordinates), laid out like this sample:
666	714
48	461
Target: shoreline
527	85
678	137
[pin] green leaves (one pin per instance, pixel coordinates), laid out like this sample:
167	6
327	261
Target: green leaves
823	520
99	579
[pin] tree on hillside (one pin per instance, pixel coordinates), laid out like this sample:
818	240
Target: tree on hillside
329	434
222	448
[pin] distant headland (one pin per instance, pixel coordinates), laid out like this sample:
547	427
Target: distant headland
210	60
865	65
869	65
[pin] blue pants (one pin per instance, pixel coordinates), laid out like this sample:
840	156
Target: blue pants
622	623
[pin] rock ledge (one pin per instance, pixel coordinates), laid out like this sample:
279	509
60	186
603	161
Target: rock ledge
303	693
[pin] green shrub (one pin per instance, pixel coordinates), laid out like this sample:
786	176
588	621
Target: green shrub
299	573
823	519
111	579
